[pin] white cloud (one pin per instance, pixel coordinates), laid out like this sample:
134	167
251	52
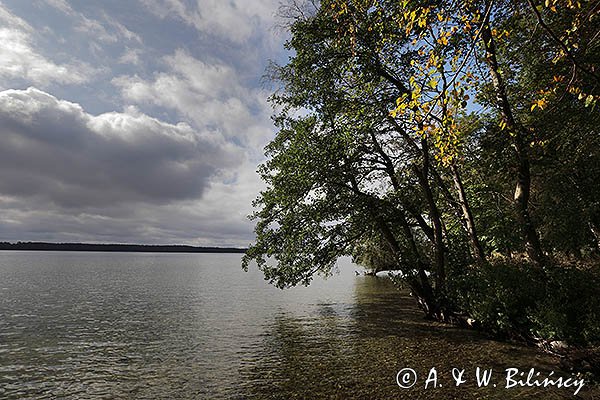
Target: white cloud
213	97
210	95
235	20
121	29
20	60
95	28
11	20
131	56
61	5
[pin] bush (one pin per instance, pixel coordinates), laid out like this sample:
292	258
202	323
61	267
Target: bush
570	309
510	298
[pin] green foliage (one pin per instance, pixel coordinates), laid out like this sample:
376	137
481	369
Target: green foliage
401	142
518	299
304	221
499	296
374	255
570	309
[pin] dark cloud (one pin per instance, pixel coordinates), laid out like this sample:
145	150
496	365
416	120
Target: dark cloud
54	151
178	165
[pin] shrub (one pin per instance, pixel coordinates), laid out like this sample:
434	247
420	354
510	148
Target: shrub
514	298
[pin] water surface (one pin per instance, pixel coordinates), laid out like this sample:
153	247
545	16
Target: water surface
194	326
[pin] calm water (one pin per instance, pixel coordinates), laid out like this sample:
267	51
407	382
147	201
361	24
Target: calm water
194	326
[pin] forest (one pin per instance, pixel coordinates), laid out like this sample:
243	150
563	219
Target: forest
456	143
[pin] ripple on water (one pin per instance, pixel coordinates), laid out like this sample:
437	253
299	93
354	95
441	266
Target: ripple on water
107	326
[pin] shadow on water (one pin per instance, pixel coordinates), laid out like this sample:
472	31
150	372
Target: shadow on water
186	327
355	352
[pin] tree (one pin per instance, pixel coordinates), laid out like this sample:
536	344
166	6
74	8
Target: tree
347	171
378	140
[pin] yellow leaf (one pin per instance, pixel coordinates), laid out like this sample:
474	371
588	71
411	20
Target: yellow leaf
542	103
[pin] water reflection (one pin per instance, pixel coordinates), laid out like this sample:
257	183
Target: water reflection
132	326
356	354
299	360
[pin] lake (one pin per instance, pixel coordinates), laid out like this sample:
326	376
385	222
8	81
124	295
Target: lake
195	326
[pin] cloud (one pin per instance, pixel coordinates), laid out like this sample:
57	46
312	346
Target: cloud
94	27
55	152
235	20
11	20
20	60
154	224
185	74
61	5
211	95
122	30
216	219
176	163
131	56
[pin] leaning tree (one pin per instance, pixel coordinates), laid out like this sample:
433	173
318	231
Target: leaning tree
379	142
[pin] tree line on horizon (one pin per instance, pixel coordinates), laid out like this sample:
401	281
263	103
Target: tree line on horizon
144	248
457	142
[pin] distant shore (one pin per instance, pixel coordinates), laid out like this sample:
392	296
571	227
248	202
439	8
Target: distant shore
139	248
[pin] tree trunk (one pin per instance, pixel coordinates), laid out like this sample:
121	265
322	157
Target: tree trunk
420	285
421	288
523	186
476	248
434	214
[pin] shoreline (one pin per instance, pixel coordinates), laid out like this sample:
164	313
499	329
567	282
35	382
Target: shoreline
111	247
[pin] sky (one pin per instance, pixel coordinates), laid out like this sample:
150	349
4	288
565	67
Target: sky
134	121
